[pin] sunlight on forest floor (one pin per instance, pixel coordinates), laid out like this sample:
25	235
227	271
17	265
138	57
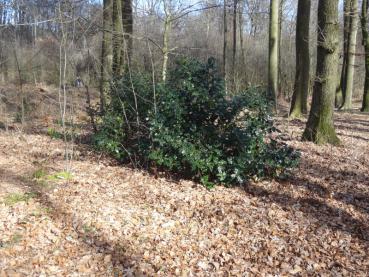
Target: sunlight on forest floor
103	218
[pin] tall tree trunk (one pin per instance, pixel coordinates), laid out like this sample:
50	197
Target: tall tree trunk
273	50
225	37
351	53
280	24
208	21
5	15
302	78
2	7
117	37
346	27
234	50
166	34
320	127
365	32
106	52
127	20
240	24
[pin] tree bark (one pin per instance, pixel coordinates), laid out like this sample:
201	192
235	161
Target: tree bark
240	24
280	23
117	37
127	20
273	50
351	53
365	34
302	78
320	127
225	37
234	50
167	29
106	54
346	27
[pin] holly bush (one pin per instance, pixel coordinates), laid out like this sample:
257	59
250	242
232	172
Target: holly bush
189	125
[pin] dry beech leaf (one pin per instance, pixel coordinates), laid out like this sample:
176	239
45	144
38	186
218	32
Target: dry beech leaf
110	219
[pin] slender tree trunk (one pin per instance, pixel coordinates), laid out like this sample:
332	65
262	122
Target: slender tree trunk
166	34
225	37
2	7
106	50
280	19
302	78
4	60
320	127
234	50
208	19
166	37
346	27
365	32
240	24
351	53
273	50
127	20
117	37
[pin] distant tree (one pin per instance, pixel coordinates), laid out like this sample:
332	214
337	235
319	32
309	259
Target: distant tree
320	128
365	34
350	56
273	49
302	77
174	11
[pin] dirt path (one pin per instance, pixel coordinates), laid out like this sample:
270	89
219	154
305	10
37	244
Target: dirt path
105	220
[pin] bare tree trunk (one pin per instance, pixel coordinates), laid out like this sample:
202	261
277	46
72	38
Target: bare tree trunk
234	50
166	37
273	50
365	32
346	27
167	29
280	18
351	52
302	78
320	128
22	119
90	111
240	24
117	37
127	19
225	37
208	19
106	49
2	7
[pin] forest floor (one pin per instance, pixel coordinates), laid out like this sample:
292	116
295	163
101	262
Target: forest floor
103	219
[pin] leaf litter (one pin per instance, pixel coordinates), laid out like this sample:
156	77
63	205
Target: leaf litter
109	220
